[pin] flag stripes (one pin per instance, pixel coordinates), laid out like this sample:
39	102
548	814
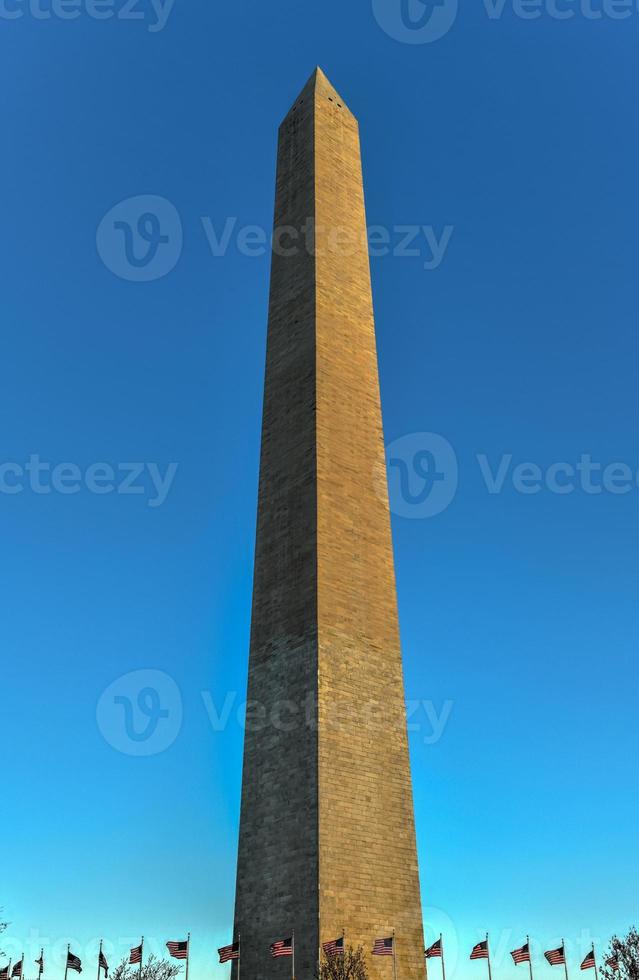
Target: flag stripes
521	955
556	957
480	951
231	952
136	954
74	962
434	950
283	947
384	947
335	947
179	950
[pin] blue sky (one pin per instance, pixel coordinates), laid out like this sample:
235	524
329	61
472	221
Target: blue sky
518	609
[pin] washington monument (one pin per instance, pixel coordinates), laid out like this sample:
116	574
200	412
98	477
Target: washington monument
327	837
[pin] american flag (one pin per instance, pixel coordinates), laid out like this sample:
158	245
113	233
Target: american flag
283	947
231	952
612	962
434	950
178	950
480	951
556	956
17	969
521	955
136	954
102	964
335	947
589	961
4	973
384	947
74	963
40	963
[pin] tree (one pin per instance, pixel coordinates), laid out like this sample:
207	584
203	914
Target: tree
626	952
350	966
153	969
3	926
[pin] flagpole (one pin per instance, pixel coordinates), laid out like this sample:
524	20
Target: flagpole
66	965
490	972
441	943
99	958
293	957
529	957
595	962
394	956
239	954
141	956
188	950
563	944
41	970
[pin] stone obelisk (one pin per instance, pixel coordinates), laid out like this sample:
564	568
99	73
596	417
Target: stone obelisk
327	837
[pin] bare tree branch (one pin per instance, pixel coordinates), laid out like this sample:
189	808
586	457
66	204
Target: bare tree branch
626	953
350	966
153	969
3	926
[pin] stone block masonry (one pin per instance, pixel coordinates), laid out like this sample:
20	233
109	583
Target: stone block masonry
327	838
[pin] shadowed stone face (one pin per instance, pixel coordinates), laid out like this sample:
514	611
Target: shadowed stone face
327	840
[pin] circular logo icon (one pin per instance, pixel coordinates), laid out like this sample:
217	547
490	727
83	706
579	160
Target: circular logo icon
140	713
415	21
140	239
422	475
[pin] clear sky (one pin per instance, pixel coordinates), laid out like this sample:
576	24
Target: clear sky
518	609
